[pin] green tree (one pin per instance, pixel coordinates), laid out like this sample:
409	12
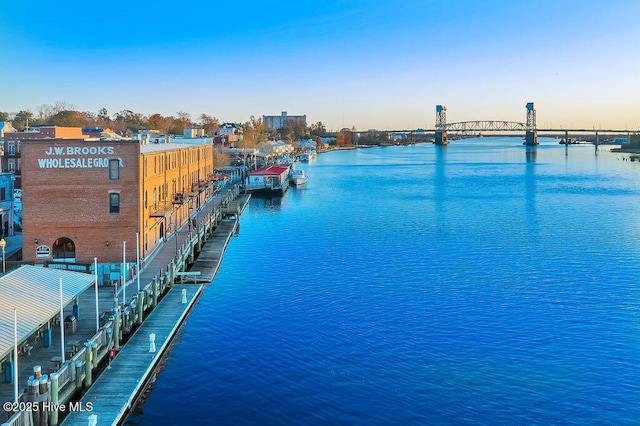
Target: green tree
127	122
22	119
255	131
68	118
103	118
4	116
318	129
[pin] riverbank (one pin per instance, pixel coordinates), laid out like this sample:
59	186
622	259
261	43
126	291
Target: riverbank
121	319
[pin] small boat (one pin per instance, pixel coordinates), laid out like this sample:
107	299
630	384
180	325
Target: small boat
308	155
298	177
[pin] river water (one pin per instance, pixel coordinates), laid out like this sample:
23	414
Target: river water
478	283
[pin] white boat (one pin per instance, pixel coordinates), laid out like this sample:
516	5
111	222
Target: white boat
308	155
298	177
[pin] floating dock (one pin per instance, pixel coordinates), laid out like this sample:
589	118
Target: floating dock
115	391
206	265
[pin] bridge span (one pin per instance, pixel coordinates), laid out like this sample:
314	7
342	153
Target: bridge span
528	127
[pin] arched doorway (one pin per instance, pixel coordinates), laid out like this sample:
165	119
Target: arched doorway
64	250
161	230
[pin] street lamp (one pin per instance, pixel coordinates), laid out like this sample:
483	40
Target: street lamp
3	244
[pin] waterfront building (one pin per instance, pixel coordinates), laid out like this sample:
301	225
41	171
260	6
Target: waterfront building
12	157
275	122
84	198
275	148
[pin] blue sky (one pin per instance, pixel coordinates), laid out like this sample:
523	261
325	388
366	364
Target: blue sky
368	64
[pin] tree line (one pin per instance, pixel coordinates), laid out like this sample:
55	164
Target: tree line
127	122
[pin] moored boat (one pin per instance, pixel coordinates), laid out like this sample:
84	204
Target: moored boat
298	177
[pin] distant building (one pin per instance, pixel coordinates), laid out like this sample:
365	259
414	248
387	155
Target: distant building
5	126
274	122
193	132
227	129
275	148
100	133
12	157
307	144
6	203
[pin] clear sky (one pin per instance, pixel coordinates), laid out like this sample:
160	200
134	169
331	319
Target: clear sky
363	63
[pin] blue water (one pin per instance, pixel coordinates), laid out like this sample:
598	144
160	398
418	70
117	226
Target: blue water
478	283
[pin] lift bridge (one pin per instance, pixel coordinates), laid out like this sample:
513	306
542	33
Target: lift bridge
466	127
529	127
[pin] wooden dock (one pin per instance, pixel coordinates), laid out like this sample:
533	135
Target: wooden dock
208	261
114	392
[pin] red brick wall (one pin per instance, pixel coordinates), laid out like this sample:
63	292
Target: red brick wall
64	201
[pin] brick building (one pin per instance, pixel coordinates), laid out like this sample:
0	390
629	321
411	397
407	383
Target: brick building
83	198
12	158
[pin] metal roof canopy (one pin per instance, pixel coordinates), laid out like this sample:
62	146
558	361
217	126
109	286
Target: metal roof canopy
35	293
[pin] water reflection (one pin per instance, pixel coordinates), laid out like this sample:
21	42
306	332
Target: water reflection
530	186
267	200
440	183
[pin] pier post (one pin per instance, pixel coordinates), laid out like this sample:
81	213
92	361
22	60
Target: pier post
154	287
53	415
140	306
126	320
88	363
79	375
116	324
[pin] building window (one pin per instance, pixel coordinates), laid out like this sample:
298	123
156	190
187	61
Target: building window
3	194
11	148
11	165
114	169
114	203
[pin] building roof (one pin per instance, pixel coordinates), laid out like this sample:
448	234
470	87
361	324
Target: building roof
159	147
34	292
274	170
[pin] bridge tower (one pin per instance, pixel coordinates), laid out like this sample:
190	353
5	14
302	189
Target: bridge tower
531	135
441	125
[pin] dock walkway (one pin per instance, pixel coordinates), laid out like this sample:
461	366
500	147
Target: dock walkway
210	256
113	393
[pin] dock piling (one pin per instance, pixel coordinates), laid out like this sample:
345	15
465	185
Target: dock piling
53	415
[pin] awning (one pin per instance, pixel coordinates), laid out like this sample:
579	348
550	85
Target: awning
35	293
